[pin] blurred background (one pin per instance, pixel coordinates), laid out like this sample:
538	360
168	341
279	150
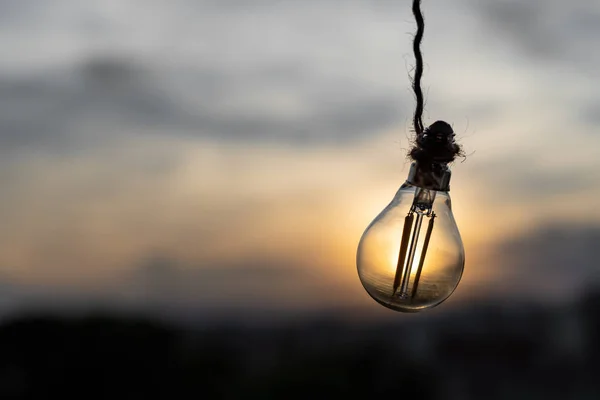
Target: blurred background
184	185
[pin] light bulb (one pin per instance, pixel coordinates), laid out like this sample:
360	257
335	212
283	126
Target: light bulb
411	256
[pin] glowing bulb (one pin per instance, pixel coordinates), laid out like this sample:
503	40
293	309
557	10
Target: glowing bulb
411	256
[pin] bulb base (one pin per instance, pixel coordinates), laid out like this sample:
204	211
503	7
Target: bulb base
434	176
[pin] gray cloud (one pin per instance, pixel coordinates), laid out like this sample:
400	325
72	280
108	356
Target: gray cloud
105	97
524	178
554	260
100	98
549	29
591	114
191	76
227	82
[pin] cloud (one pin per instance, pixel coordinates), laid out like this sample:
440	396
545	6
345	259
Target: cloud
254	73
591	114
553	261
233	72
80	105
527	176
106	98
551	30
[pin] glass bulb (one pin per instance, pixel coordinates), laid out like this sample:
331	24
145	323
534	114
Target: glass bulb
411	256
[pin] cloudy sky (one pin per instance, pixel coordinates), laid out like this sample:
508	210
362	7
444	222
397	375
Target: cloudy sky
227	155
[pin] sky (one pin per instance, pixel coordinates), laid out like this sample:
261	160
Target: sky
226	156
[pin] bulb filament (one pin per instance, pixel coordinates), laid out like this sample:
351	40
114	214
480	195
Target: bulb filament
423	207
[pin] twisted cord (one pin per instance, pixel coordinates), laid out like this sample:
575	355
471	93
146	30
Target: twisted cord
416	84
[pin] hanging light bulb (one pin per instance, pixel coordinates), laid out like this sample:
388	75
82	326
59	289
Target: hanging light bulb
411	256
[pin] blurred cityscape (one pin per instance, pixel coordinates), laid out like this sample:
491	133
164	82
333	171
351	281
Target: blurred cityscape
485	351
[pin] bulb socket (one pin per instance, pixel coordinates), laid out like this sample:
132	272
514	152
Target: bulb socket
434	176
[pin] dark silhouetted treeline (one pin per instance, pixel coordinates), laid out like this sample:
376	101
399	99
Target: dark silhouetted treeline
491	351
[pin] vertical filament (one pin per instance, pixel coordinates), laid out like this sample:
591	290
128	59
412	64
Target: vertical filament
403	247
423	253
411	255
422	205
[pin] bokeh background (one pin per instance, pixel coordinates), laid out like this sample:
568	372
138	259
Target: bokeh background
214	163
